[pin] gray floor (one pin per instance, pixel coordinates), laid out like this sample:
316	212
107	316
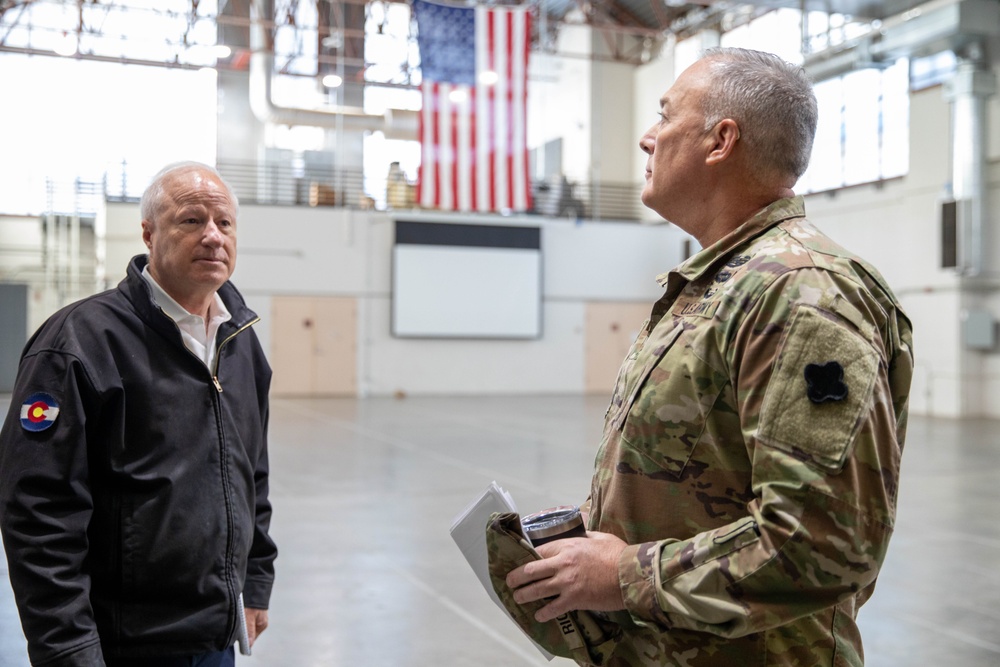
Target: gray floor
364	493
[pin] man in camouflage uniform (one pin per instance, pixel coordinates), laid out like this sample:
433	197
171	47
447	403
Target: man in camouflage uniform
745	488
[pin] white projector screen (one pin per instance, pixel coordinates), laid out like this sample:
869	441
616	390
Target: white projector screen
466	281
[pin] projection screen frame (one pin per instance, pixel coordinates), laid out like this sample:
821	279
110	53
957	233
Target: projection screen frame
493	250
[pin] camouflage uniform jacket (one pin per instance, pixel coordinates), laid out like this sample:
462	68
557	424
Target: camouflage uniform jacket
751	452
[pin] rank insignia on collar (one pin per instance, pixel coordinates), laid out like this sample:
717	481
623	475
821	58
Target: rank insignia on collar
38	412
739	260
825	382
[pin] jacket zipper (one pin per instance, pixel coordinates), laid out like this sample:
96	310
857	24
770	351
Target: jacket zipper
218	352
226	484
214	372
227	498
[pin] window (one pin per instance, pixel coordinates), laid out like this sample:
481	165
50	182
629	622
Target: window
90	117
173	31
777	32
932	70
863	130
393	57
379	152
67	122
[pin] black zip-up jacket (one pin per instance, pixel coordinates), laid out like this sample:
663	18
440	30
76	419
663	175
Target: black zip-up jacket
134	521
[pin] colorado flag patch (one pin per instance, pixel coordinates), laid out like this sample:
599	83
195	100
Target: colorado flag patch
39	412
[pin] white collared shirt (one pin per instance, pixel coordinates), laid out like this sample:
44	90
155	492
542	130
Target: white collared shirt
198	337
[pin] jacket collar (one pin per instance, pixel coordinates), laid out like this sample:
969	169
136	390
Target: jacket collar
706	261
139	294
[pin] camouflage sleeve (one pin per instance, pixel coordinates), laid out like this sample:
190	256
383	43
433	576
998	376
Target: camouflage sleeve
810	367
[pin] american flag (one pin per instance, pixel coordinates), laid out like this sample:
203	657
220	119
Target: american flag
474	63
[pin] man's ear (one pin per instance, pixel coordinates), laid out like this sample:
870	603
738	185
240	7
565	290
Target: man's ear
723	139
147	234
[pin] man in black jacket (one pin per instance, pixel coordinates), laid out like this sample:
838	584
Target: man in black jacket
133	461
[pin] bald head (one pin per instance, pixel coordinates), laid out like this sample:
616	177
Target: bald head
152	202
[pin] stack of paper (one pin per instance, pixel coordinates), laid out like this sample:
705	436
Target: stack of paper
469	531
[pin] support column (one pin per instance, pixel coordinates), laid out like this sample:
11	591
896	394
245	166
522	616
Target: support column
973	83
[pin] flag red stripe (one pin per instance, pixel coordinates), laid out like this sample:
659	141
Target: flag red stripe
455	199
510	110
473	185
423	148
524	113
479	144
436	141
491	129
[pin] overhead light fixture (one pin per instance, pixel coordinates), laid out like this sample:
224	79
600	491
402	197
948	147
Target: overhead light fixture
221	51
333	41
65	45
332	81
458	96
488	78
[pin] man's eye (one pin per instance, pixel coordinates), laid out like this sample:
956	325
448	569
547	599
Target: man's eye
660	118
191	221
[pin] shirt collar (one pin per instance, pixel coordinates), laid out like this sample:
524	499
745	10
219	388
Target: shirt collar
757	224
176	311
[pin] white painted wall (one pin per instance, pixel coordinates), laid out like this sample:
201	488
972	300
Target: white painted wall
350	253
21	243
651	81
595	261
613	138
122	227
39	252
342	252
551	364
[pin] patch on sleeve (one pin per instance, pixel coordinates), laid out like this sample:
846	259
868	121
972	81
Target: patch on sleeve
821	387
825	382
38	412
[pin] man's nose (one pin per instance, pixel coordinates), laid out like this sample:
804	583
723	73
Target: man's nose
213	235
647	142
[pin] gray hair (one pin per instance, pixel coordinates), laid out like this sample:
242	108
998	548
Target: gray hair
151	202
773	104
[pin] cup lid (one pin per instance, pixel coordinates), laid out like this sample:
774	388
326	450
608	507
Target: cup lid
552	521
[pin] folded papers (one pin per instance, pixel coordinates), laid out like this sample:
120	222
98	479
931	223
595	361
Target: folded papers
469	532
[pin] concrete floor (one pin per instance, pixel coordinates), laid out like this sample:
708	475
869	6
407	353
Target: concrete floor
364	492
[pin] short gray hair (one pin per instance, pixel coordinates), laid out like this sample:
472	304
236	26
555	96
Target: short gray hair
150	204
772	102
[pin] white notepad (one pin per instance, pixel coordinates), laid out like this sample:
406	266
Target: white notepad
243	637
469	532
